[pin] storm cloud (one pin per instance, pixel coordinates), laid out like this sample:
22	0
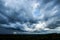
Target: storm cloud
31	15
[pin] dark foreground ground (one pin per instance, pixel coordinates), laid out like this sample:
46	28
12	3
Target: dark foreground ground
4	34
31	37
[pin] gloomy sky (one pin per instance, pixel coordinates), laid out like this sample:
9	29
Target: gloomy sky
31	15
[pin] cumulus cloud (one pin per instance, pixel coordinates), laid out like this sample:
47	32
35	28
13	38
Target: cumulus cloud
30	15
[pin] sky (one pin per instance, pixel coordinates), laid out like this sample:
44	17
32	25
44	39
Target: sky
31	16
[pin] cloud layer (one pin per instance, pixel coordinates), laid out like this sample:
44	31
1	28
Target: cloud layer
31	15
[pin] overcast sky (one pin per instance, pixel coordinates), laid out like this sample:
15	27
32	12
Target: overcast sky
30	15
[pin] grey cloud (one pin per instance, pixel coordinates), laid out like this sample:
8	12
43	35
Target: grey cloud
30	15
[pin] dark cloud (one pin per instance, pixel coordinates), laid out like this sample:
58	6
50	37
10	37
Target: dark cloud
25	15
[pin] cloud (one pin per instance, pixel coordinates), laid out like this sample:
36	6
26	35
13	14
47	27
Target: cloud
29	15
